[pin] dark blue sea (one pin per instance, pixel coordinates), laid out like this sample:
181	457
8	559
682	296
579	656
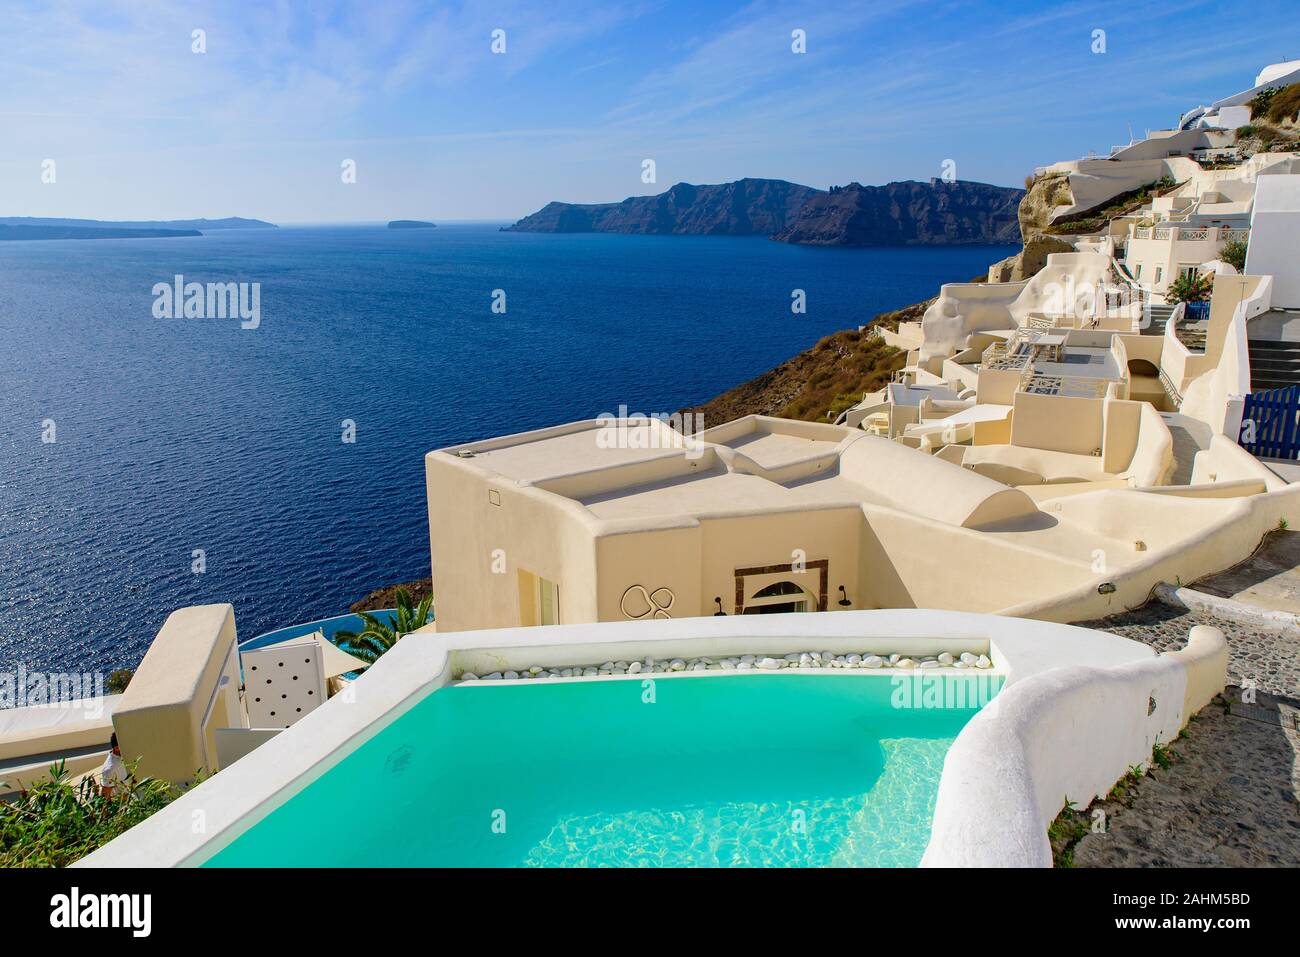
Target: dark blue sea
172	435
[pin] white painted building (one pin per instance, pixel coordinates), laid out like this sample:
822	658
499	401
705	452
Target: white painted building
1275	237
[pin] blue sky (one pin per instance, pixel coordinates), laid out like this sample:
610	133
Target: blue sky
139	126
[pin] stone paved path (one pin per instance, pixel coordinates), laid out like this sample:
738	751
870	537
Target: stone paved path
1228	800
1271	658
1269	579
1230	796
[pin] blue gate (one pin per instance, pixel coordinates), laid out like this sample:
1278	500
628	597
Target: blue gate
1269	423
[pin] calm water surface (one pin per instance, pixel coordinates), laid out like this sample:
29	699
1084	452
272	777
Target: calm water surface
174	435
742	771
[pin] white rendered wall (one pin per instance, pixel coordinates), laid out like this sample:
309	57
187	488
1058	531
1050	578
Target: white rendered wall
1275	237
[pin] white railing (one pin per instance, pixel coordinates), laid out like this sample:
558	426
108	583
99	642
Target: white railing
1036	383
1170	389
1193	234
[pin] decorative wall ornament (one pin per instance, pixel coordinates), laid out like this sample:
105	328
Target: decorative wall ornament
638	603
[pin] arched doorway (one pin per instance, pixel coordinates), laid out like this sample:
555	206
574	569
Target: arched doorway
780	598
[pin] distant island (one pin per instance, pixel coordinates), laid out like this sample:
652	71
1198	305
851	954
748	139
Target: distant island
897	214
36	227
411	224
230	222
8	232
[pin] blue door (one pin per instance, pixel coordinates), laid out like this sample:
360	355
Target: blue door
1269	423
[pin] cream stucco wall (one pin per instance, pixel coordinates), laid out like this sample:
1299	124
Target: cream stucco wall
186	686
483	533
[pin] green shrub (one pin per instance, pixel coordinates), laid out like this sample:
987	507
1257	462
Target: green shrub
1259	105
1247	131
56	822
1234	253
1190	287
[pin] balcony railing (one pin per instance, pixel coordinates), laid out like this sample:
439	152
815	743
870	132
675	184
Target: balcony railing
1191	234
1036	383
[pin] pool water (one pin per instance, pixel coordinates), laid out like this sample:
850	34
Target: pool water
749	770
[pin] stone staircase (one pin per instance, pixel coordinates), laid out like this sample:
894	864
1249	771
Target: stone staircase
1274	364
1192	335
1159	314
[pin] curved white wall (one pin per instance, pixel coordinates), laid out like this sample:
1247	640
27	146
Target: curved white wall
1067	734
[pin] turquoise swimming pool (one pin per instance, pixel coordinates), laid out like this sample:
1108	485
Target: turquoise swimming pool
743	770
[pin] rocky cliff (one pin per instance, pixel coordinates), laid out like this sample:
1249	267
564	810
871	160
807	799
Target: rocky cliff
1046	191
747	207
898	214
908	214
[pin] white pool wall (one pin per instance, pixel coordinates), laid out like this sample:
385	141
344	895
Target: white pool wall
1062	735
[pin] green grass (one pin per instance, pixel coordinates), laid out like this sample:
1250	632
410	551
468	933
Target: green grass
1073	824
1070	827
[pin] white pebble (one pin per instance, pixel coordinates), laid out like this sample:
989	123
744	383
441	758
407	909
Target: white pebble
469	676
634	668
904	663
945	658
983	662
872	661
769	664
968	659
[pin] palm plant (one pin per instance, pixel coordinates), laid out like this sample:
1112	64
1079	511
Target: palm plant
378	636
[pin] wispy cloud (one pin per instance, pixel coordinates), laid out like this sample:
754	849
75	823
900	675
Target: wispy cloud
587	88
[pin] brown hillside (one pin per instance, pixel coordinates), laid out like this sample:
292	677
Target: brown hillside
828	378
